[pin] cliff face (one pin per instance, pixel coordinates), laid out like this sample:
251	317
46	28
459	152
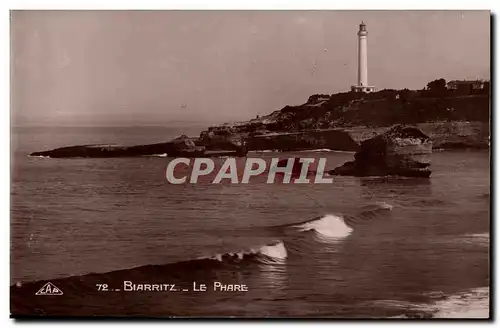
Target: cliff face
444	135
314	139
458	135
342	121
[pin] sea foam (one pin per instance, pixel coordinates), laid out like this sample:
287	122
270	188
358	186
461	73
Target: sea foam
331	226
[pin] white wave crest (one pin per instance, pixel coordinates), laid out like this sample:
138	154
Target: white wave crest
320	150
469	239
325	150
159	155
330	226
385	206
471	304
263	151
270	253
482	239
38	156
276	251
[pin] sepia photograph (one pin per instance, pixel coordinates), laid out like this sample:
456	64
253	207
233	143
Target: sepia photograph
314	164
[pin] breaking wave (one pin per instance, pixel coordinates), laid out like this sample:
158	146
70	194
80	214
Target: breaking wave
474	303
320	150
326	228
482	239
473	240
159	155
274	253
369	213
329	226
334	227
270	259
377	207
38	156
470	304
264	151
325	150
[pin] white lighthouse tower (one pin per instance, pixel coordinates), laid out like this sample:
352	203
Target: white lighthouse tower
362	85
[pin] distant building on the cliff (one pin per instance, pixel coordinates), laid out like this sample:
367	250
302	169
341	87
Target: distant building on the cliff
467	86
362	85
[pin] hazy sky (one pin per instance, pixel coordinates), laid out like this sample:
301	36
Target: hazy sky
156	67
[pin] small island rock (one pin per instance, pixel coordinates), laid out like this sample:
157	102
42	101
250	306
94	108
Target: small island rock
401	151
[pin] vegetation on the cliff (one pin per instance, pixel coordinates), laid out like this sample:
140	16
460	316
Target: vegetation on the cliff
387	107
439	101
383	108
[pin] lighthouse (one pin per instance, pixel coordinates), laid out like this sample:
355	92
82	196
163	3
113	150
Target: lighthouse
362	85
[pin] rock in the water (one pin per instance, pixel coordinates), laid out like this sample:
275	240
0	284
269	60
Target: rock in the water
226	141
403	151
185	146
182	146
103	151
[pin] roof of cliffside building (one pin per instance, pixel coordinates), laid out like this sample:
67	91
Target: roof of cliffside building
474	83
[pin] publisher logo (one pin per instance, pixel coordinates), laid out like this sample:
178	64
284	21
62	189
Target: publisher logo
49	289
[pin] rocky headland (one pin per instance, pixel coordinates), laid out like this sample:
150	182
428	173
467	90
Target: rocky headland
341	121
182	146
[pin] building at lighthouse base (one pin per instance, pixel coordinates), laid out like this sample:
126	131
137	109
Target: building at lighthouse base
363	88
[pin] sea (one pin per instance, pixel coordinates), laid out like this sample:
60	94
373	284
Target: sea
374	247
